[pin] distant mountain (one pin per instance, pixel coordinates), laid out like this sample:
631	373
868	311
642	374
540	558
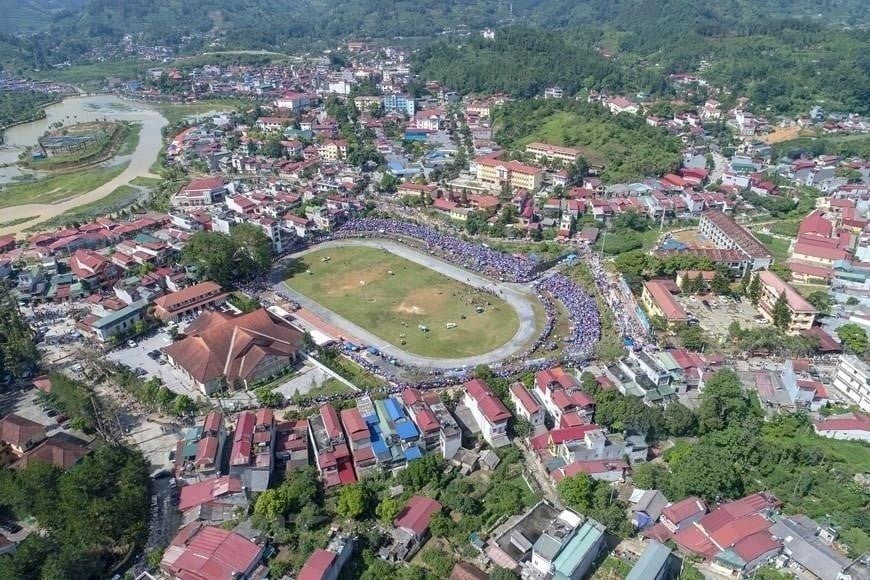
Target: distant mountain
31	15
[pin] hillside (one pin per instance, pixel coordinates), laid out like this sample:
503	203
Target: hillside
627	147
30	15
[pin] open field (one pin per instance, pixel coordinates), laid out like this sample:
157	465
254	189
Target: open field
175	113
356	283
145	181
91	75
57	187
122	197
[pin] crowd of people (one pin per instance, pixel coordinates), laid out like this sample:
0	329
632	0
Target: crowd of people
582	310
475	257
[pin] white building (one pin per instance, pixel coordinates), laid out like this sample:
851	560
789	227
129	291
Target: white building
852	380
527	405
488	411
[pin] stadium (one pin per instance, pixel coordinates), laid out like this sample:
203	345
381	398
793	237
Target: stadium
436	302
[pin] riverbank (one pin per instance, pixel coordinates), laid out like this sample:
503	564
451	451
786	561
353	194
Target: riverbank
121	133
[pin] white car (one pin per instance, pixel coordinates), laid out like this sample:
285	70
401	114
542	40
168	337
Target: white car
131	343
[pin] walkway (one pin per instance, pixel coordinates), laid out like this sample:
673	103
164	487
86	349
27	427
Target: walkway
519	296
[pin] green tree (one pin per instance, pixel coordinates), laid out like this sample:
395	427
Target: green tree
650	476
722	401
781	313
680	421
353	501
499	573
821	300
440	525
721	283
692	338
753	291
387	510
853	337
577	492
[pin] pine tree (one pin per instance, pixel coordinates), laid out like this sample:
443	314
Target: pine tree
753	292
781	313
744	283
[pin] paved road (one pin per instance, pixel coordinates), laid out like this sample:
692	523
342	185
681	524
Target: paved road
519	296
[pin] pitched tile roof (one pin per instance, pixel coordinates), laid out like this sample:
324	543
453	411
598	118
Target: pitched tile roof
417	513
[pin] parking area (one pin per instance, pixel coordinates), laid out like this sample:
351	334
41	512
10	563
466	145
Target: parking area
715	313
136	357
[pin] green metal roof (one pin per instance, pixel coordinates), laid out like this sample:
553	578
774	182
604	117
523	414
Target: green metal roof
587	539
120	315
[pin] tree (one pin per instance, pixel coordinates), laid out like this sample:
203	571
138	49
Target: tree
440	525
388	509
781	313
821	300
753	291
853	337
254	242
576	491
721	283
692	338
499	573
353	501
389	183
650	476
680	421
722	401
268	398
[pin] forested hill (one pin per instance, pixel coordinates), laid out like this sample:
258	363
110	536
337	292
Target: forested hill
271	23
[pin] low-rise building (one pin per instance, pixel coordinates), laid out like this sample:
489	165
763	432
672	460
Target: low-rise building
727	234
853	380
20	434
196	298
201	551
802	313
201	192
291	443
849	426
567	155
251	455
527	405
563	398
327	564
214	500
658	301
331	453
655	563
411	528
488	411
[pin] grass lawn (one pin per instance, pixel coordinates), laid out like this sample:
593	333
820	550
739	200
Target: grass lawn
145	181
175	113
356	283
119	199
15	222
332	386
131	139
90	74
57	187
776	246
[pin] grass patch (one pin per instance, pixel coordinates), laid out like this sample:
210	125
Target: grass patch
331	387
175	113
15	222
786	228
391	297
93	74
131	140
612	568
121	198
58	187
806	289
351	371
145	181
776	246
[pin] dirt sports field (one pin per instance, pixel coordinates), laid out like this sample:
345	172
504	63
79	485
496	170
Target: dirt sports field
392	297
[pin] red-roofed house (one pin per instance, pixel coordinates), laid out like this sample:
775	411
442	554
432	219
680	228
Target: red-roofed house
682	514
416	515
327	564
526	404
209	449
251	453
851	426
206	191
488	411
331	452
213	500
610	470
200	552
815	223
291	443
94	269
563	398
658	301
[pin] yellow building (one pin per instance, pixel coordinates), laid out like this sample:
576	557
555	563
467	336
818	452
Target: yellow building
546	151
803	314
496	173
658	301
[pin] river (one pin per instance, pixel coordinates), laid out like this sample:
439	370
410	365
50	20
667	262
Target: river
77	110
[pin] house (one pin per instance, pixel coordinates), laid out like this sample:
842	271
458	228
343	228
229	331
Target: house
293	101
410	529
848	426
20	434
333	150
208	455
563	398
200	192
465	571
95	270
291	443
214	500
220	349
327	564
658	301
331	453
807	545
200	551
60	450
727	234
684	513
114	324
609	470
655	563
802	313
252	453
170	307
526	405
488	411
438	428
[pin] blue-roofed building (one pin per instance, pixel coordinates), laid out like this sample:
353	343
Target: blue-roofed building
575	559
653	564
412	453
